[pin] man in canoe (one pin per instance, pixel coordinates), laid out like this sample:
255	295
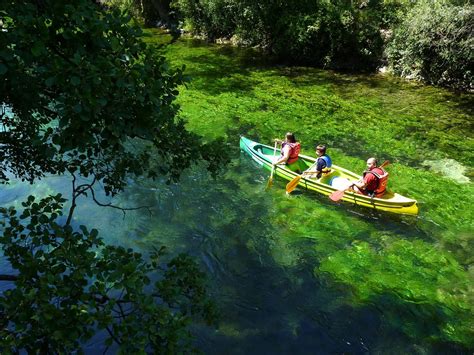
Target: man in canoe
290	149
374	180
321	166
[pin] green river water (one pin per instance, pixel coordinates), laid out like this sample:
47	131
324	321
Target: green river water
300	274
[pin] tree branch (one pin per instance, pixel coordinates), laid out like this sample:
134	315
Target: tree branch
112	335
123	209
4	277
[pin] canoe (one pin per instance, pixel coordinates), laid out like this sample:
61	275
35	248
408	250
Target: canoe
390	201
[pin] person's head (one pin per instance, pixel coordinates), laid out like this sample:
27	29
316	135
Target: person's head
371	163
320	150
290	137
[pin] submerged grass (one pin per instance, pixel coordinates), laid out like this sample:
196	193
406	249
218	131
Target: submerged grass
421	268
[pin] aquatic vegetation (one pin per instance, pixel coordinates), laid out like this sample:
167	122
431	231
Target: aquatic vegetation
415	282
300	268
391	263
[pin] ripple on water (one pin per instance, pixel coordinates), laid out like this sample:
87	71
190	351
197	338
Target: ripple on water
449	168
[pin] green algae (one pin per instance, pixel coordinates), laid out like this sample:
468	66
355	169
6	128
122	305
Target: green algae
260	248
427	134
412	275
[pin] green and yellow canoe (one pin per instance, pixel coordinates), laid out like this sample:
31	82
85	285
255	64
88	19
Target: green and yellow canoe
390	202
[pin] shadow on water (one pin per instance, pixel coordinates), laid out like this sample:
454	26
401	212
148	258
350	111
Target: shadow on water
219	77
221	68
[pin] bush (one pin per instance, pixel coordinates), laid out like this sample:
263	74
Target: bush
435	44
339	35
211	18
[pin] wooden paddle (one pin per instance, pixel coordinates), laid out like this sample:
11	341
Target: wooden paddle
337	195
270	181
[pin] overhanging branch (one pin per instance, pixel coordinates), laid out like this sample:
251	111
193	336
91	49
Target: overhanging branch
4	277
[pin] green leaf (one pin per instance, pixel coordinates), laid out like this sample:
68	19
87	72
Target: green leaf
3	69
77	108
75	80
38	49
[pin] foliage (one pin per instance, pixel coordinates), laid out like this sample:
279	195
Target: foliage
211	18
432	43
149	12
69	283
416	280
82	94
435	44
131	7
87	96
341	34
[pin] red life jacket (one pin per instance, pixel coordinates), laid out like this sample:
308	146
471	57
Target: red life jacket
382	179
294	152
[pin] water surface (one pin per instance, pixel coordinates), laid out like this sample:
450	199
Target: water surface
300	274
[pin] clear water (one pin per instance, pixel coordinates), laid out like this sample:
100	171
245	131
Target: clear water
300	274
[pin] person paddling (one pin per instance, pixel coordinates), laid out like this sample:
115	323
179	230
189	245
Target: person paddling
290	150
321	166
374	180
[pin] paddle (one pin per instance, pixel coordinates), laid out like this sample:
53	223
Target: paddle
293	183
337	195
270	181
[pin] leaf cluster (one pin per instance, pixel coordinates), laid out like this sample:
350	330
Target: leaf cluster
434	44
87	96
336	34
69	284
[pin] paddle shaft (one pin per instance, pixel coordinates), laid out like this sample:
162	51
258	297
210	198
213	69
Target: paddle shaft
270	180
273	165
296	180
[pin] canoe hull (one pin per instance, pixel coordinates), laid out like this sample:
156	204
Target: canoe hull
390	202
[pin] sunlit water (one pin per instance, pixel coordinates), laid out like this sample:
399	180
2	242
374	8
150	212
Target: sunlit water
301	274
260	250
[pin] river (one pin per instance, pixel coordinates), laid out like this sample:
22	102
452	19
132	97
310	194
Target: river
300	274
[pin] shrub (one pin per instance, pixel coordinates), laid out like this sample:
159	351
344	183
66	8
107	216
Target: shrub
435	44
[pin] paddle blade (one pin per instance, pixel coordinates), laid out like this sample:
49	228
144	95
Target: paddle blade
269	183
337	195
292	184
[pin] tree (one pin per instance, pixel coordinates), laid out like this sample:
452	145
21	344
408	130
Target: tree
434	44
87	96
149	11
81	94
334	34
69	284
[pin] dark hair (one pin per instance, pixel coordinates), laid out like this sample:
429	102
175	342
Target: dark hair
290	137
321	148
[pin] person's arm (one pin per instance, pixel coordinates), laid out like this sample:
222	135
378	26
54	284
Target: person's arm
312	171
361	185
284	157
316	168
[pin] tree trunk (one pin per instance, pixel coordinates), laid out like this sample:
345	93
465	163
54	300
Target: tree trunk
163	8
